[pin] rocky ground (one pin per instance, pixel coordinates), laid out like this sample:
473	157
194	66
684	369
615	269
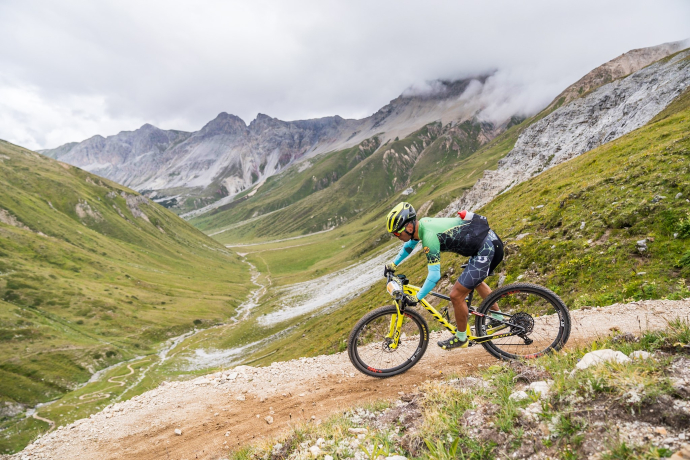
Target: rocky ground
212	415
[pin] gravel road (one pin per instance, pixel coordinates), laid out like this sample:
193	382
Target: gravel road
219	412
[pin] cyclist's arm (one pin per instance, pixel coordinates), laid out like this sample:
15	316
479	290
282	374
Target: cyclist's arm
432	249
405	251
431	279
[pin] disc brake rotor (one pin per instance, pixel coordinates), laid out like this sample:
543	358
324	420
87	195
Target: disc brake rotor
386	345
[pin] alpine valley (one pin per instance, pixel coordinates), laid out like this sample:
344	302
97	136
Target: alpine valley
157	255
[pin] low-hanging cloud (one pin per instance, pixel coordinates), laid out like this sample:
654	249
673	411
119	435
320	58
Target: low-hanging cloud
73	69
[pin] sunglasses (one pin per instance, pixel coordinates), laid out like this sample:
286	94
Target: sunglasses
397	234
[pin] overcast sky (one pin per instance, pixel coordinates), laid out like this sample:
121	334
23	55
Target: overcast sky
73	69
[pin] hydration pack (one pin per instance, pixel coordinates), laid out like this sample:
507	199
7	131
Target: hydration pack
473	235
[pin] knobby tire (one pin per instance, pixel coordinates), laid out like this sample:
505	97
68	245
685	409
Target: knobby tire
413	322
513	292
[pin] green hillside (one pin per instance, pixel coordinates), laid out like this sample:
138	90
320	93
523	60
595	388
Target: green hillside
91	274
624	192
348	184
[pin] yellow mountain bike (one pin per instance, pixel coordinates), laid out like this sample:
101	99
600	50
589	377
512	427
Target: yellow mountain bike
391	339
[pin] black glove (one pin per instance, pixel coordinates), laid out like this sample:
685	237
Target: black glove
389	268
410	300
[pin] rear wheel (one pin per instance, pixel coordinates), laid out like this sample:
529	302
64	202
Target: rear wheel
370	350
538	315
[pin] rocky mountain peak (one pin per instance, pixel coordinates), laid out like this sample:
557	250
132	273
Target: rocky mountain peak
263	122
224	123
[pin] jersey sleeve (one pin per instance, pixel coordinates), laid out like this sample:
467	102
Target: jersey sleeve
432	249
431	279
405	251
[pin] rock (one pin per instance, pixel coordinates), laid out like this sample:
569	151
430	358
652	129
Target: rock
682	387
600	356
679	195
321	442
683	453
582	225
178	431
269	419
358	430
231	376
640	354
315	451
518	396
598	117
396	457
658	198
661	430
521	236
240	397
641	245
327	457
542	387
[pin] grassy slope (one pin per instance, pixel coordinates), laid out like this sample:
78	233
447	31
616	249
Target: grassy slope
289	187
653	160
91	291
322	196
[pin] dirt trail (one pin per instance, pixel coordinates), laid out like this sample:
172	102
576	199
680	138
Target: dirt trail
220	412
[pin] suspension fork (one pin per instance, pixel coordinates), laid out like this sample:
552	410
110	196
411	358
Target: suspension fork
395	326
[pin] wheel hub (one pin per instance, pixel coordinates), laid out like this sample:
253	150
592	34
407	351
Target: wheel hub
386	345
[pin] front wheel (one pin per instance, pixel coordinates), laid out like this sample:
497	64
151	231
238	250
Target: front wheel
369	346
538	316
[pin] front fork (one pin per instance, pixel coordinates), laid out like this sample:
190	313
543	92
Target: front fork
395	327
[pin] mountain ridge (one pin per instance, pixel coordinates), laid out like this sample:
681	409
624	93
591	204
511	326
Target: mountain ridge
227	155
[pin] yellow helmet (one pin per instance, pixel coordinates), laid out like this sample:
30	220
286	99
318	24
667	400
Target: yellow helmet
401	214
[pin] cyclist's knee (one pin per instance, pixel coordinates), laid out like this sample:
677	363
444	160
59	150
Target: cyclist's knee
459	292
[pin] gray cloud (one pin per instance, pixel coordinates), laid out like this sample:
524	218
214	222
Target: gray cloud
73	69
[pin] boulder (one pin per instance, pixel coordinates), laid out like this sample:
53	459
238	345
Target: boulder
518	396
601	356
542	387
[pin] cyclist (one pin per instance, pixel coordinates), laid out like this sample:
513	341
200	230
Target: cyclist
468	235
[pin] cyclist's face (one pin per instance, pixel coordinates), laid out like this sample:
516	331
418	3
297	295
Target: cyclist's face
404	236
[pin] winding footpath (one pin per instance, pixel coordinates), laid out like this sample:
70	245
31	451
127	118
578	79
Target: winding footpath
220	412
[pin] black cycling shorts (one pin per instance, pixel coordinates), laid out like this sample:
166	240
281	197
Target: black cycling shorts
479	266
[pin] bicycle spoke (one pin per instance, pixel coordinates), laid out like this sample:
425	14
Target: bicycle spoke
373	348
534	316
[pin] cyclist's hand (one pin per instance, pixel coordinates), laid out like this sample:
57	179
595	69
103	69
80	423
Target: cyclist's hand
411	300
390	268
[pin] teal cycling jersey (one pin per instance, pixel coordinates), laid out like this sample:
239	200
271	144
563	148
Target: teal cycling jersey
454	234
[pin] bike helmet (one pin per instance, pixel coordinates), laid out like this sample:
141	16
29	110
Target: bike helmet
401	214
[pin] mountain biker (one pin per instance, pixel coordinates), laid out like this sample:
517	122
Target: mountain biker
468	235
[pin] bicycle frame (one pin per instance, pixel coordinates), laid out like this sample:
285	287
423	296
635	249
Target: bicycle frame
396	323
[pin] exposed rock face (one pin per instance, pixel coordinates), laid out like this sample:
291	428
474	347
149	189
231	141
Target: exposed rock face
602	116
623	65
